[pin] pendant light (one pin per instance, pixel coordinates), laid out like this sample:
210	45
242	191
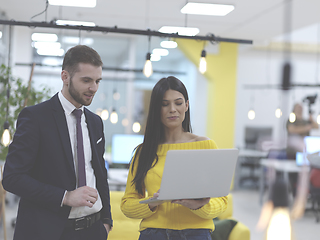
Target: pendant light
104	114
6	137
147	69
114	116
275	215
279	226
136	127
278	112
203	62
292	117
251	112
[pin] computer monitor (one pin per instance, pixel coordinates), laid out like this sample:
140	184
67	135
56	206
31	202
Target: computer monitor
300	159
255	136
312	145
123	146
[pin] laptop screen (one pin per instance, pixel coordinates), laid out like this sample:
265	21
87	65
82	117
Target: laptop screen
312	145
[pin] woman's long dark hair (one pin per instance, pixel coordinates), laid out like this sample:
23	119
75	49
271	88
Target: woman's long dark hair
154	132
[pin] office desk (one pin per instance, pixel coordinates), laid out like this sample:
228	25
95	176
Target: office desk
248	158
284	165
252	153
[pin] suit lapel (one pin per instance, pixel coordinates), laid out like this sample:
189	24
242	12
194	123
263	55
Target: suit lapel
61	122
92	133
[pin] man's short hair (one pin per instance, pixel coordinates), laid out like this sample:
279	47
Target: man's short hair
80	54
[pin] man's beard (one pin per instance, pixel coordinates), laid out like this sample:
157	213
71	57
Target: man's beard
76	95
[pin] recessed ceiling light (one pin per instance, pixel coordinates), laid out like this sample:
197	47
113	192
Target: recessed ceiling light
87	41
51	45
71	40
186	31
74	3
76	40
160	51
52	61
50	52
155	58
75	23
207	9
168	44
44	37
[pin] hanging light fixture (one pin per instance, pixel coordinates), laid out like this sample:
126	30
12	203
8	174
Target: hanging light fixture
292	117
136	127
116	95
279	226
275	215
147	69
114	116
104	114
278	113
251	114
318	119
203	62
125	122
6	137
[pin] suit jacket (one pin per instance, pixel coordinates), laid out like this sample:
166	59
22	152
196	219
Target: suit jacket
39	168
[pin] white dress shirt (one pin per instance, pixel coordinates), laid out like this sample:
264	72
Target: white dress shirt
90	177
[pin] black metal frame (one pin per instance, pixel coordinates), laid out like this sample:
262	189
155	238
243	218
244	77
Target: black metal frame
115	29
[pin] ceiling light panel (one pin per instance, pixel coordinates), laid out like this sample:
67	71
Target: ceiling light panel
51	45
207	9
168	44
75	23
74	3
50	52
155	58
160	51
44	37
186	31
76	40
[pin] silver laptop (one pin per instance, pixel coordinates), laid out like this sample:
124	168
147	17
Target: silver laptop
191	174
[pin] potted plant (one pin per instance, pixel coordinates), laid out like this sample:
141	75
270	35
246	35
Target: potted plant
20	96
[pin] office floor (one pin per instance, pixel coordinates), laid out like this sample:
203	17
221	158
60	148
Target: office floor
246	209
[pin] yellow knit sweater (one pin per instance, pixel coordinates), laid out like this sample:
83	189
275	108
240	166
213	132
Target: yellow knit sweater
169	215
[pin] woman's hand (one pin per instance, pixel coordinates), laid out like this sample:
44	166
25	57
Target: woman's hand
153	205
192	203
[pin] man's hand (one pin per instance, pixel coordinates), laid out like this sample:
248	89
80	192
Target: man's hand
192	203
83	196
108	227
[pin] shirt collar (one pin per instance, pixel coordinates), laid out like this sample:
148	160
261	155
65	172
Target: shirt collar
67	106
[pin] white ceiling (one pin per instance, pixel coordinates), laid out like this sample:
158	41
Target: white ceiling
255	20
252	19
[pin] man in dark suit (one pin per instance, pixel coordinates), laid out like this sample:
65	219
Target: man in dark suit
42	162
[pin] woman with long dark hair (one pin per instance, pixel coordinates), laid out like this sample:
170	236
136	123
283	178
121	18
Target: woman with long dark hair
168	128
